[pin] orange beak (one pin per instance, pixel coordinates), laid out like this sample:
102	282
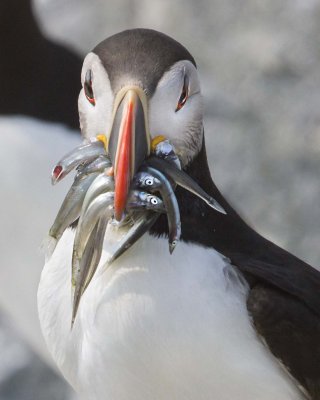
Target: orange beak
129	143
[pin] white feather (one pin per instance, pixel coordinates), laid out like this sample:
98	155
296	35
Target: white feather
155	326
95	120
184	127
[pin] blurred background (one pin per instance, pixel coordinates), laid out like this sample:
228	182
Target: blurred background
260	69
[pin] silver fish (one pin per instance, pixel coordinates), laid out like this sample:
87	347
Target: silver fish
97	165
90	232
165	150
102	206
171	206
83	153
144	180
103	183
89	263
71	206
184	180
142	200
139	228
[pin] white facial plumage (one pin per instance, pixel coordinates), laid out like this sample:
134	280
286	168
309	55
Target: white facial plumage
182	127
95	119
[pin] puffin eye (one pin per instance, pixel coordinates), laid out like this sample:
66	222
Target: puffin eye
88	87
184	94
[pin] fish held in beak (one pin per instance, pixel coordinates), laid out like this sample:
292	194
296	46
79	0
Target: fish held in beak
129	142
84	153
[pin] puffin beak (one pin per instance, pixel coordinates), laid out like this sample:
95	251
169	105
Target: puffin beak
129	142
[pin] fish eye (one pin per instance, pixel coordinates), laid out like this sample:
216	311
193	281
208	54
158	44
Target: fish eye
149	181
184	94
88	87
153	201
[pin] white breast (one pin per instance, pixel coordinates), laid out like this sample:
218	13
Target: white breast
155	326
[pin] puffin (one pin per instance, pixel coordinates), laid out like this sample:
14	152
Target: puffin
229	315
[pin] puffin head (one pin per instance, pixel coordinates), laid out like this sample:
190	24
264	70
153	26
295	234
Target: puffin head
139	85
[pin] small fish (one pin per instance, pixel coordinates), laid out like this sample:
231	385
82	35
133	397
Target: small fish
184	180
85	152
142	200
165	150
89	263
144	180
70	208
171	205
90	232
97	165
101	206
138	229
102	183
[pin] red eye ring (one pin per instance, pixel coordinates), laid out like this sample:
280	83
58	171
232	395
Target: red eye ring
91	100
184	94
88	87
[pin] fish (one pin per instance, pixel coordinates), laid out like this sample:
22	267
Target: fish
103	183
101	206
99	164
171	206
88	263
69	210
165	150
144	180
184	180
144	222
142	200
83	153
88	242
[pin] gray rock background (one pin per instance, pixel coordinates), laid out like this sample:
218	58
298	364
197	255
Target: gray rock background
259	63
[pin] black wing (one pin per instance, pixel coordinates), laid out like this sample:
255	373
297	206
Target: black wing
291	331
284	302
283	270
